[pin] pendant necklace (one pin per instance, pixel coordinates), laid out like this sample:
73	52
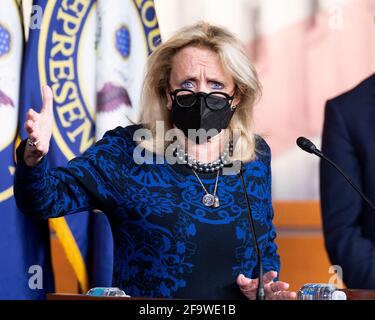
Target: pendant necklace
209	200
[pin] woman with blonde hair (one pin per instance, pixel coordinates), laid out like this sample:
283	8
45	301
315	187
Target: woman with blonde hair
178	216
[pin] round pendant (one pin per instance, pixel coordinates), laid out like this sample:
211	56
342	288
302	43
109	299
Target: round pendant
208	200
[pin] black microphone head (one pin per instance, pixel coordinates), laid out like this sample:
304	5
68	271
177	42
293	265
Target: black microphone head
306	145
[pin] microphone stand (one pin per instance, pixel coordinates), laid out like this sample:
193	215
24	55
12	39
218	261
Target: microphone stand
260	289
306	145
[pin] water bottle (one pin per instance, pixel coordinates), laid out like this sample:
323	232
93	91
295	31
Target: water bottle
106	292
320	291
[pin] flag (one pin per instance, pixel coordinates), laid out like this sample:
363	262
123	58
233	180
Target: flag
126	37
25	268
61	53
91	53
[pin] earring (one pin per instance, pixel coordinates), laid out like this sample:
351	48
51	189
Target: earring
231	147
233	107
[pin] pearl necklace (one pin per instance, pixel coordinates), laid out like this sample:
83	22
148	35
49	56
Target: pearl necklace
213	166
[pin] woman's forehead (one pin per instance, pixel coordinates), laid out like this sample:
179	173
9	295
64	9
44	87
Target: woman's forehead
193	60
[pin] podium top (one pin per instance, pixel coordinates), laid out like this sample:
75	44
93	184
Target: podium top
352	294
358	294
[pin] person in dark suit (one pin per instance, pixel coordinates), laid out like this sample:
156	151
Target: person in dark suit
348	222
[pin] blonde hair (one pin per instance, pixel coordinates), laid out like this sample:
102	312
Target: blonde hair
233	57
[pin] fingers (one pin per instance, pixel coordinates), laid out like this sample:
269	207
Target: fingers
274	290
39	129
283	295
31	132
269	277
31	122
278	291
279	286
247	286
47	99
32	115
29	126
246	283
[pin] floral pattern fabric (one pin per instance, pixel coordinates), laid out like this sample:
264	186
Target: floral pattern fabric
166	242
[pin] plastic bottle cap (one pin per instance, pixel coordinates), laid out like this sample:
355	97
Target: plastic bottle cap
339	295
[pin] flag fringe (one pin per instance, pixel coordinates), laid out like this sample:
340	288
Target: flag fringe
71	250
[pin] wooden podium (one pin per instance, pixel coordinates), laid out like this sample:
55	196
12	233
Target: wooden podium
356	294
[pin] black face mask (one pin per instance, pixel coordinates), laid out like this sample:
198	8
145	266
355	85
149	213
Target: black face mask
200	110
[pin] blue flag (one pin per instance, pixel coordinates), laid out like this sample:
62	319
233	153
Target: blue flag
25	268
61	53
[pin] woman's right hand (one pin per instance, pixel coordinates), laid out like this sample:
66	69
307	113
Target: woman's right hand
39	129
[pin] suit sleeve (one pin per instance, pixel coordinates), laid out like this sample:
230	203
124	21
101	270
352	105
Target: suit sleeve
342	207
87	182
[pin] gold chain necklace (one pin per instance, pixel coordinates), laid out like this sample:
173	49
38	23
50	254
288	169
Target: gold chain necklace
209	200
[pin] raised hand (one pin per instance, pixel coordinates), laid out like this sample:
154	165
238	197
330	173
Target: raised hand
273	290
39	129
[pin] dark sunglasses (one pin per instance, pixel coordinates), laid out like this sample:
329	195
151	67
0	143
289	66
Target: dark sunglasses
215	100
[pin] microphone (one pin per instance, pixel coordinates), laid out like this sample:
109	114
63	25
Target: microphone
306	145
239	169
